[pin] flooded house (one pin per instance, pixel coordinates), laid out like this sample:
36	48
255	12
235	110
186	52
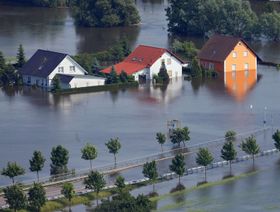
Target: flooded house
145	62
44	66
228	55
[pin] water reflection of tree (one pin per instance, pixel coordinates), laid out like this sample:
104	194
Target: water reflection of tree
100	39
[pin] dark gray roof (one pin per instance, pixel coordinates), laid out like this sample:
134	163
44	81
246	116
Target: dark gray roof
66	79
218	47
42	63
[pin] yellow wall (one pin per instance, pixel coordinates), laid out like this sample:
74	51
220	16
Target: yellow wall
240	59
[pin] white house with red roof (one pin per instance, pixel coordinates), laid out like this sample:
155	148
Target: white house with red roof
145	62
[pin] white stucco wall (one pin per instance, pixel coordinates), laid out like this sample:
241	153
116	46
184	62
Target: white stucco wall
86	82
175	67
142	72
66	63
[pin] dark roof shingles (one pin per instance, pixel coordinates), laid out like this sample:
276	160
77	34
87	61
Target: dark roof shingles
42	63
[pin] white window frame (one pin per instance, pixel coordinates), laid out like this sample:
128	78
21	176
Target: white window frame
234	54
61	69
169	61
245	53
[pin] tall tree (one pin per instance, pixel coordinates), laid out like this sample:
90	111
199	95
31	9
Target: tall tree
68	192
228	153
15	197
276	138
12	170
114	146
230	136
120	183
59	159
178	166
37	163
20	57
100	13
150	171
89	152
161	139
204	158
37	197
250	146
180	135
270	25
2	62
95	181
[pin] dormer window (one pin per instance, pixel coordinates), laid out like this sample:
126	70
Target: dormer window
60	69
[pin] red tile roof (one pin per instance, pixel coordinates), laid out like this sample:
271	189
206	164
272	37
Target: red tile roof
142	57
218	47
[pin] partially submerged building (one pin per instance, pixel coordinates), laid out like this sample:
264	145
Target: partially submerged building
227	54
145	62
44	65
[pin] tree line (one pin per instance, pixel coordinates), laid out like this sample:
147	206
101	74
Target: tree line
36	195
42	3
230	17
8	71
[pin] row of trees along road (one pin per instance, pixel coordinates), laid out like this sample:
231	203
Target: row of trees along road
36	196
232	17
59	160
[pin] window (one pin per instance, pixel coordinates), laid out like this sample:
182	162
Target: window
245	53
246	66
60	69
211	66
234	54
28	79
233	71
168	61
72	68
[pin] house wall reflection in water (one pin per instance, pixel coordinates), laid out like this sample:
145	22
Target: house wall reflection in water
239	83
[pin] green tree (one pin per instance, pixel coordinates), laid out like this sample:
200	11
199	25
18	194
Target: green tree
89	152
12	170
112	77
96	67
196	70
37	163
163	75
95	181
56	84
59	159
270	25
150	171
161	139
276	138
123	77
114	146
120	183
15	197
179	135
126	202
186	48
230	136
2	62
250	147
228	153
37	197
204	158
20	57
178	166
103	13
68	192
200	17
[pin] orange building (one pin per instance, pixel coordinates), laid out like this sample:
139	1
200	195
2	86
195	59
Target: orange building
228	54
